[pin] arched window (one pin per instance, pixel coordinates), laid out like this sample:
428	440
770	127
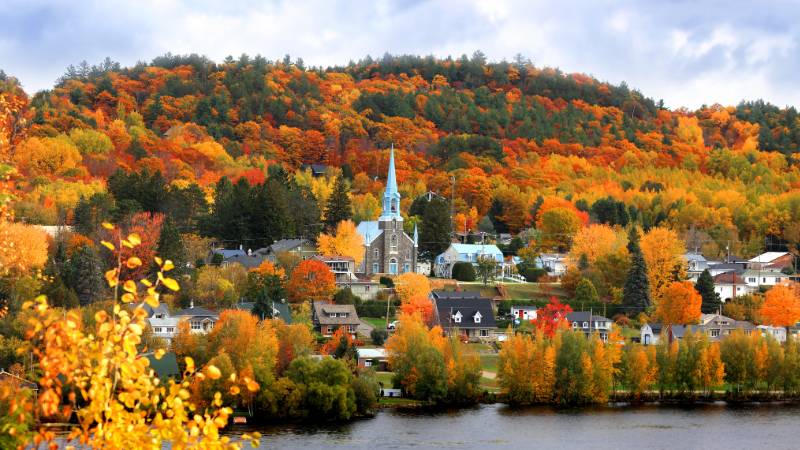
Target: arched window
376	253
393	266
394	224
408	254
394	206
393	243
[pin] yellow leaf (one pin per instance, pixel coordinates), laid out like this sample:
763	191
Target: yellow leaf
108	225
160	352
146	283
167	266
212	372
108	245
152	301
134	262
158	260
130	286
126	244
134	239
172	284
189	363
234	390
128	298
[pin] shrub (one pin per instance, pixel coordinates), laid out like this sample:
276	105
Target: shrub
386	281
378	336
621	320
464	271
532	274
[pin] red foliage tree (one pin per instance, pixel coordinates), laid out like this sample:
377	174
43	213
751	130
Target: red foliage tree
552	317
147	226
312	281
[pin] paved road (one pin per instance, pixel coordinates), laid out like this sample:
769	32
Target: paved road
364	327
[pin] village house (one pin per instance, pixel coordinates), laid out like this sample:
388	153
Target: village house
729	285
251	260
717	326
387	248
301	247
779	333
756	278
279	310
773	259
341	266
467	253
367	357
553	263
695	265
524	312
328	318
590	323
201	320
651	333
472	316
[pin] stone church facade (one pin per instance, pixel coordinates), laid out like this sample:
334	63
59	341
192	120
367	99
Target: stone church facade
387	248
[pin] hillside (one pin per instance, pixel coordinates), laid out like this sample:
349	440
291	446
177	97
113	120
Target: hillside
513	136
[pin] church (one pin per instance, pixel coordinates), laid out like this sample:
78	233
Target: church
387	248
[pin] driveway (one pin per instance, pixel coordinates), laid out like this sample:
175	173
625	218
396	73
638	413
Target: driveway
364	327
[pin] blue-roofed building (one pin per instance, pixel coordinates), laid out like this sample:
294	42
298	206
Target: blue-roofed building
387	249
467	253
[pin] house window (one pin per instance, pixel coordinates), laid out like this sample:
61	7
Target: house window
713	333
765	280
751	280
393	247
170	329
342	314
574	324
457	318
157	329
195	325
585	324
484	333
329	329
469	257
393	266
331	314
351	328
478	318
368	363
366	288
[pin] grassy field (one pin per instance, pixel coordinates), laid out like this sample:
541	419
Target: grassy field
398	401
476	347
489	363
630	332
385	378
515	290
487	382
378	323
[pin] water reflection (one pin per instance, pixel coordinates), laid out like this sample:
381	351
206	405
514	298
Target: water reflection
596	427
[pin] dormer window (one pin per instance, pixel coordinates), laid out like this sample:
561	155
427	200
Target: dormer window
477	317
331	314
457	317
585	324
574	324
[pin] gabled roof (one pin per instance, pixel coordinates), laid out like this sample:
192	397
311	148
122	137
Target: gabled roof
583	316
196	311
371	353
167	322
247	261
469	311
323	309
476	248
286	244
370	229
655	326
283	312
229	253
316	169
455	294
679	331
728	278
693	257
768	257
727	267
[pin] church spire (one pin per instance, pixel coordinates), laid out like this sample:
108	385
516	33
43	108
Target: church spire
391	198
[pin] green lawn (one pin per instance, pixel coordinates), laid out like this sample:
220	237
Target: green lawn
398	401
630	332
385	378
488	382
378	323
489	363
476	347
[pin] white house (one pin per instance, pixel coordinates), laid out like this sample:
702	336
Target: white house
695	265
729	285
779	333
467	253
524	312
755	278
651	333
553	263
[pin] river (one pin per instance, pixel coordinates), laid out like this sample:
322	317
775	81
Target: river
618	427
769	426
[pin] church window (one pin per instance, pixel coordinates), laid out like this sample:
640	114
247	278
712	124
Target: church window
394	206
394	224
393	247
408	254
376	254
393	266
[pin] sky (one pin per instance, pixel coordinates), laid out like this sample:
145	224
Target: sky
686	53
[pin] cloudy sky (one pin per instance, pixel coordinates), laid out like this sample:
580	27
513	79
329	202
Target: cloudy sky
685	52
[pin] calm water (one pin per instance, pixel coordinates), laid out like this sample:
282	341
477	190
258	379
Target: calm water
613	427
617	427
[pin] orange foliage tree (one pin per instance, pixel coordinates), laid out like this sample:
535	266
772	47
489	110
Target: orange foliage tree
24	247
245	340
680	304
147	227
418	304
781	306
312	281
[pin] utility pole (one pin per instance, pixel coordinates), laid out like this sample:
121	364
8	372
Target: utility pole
452	202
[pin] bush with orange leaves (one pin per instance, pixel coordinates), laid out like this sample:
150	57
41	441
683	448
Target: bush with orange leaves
125	404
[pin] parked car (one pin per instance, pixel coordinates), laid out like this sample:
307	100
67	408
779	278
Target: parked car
393	325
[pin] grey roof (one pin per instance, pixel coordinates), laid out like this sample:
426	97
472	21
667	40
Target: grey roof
229	253
286	244
161	309
583	316
316	169
248	261
718	322
724	266
196	311
527	308
679	331
694	257
468	314
656	326
322	310
282	310
455	294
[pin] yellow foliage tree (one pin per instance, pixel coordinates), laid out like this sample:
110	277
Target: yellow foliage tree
663	251
24	247
346	242
410	285
48	156
593	241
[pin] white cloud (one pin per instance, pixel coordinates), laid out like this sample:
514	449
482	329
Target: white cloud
687	53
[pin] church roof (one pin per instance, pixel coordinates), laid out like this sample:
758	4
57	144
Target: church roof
369	228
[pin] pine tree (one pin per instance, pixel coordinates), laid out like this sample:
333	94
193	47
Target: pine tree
339	206
705	287
636	294
82	217
170	247
88	279
434	230
262	308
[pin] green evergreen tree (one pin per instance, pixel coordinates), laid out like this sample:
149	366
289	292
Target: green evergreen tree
636	293
470	237
82	217
88	279
583	263
170	247
339	206
434	230
705	287
263	306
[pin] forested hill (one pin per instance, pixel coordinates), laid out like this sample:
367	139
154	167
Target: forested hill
514	136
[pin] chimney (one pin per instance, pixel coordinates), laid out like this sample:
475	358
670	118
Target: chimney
240	247
191	303
249	252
